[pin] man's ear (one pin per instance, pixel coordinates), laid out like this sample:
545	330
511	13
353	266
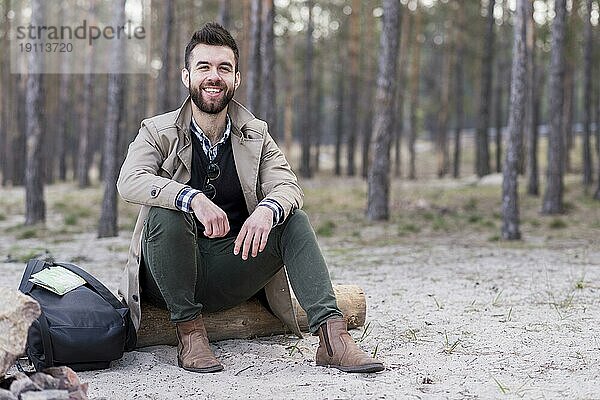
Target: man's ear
238	79
185	77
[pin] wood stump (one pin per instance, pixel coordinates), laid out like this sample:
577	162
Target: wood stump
250	319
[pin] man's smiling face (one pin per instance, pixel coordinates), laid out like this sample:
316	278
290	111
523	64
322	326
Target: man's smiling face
212	78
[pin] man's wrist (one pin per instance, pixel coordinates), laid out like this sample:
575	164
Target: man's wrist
266	207
184	199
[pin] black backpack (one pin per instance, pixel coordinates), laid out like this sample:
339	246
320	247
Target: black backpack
84	329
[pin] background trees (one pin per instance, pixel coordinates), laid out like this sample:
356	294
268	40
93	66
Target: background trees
309	68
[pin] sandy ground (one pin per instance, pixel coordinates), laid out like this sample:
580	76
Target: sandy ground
448	319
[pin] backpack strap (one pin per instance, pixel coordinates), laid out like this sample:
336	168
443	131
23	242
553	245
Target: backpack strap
46	341
32	267
94	283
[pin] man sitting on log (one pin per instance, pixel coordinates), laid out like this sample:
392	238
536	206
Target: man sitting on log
221	216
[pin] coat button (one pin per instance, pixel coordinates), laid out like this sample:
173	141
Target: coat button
135	298
153	193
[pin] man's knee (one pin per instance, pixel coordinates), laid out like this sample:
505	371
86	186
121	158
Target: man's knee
298	222
168	224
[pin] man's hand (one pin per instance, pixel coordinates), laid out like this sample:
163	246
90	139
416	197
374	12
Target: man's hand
211	216
254	233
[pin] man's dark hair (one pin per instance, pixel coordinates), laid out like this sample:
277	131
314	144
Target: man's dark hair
211	34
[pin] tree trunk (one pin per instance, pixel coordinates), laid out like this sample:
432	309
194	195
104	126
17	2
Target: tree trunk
553	197
166	42
482	153
401	90
459	89
443	159
534	90
354	79
339	116
107	226
19	145
367	82
288	114
305	163
268	97
379	172
35	207
83	153
414	96
247	320
587	96
499	101
50	101
318	115
568	110
224	16
64	101
4	102
254	59
518	91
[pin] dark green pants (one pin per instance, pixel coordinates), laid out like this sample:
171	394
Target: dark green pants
187	272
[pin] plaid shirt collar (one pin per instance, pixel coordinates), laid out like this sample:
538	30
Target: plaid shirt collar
210	150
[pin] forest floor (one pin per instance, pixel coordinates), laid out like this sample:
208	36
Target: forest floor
453	311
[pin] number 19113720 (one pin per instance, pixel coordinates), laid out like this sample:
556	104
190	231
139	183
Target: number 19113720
49	47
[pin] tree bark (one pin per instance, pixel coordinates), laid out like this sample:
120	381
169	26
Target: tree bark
482	153
534	90
339	118
19	141
288	114
587	95
64	101
568	110
107	226
401	90
224	16
379	172
553	197
248	320
443	158
254	58
83	153
305	162
35	207
499	100
268	62
318	115
414	96
164	75
367	83
354	79
518	90
4	101
459	89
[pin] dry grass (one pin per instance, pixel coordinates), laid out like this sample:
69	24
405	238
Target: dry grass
464	209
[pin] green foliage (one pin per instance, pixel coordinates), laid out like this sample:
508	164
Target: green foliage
471	204
557	223
22	255
71	219
27	233
408	228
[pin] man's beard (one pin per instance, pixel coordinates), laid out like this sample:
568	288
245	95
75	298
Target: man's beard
211	107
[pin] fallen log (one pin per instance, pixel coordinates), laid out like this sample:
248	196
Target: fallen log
250	319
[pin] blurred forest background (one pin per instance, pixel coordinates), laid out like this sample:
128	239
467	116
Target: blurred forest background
356	92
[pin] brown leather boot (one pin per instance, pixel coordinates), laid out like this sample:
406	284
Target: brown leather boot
337	349
193	351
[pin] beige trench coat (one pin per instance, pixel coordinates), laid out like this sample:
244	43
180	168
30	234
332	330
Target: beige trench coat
158	165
